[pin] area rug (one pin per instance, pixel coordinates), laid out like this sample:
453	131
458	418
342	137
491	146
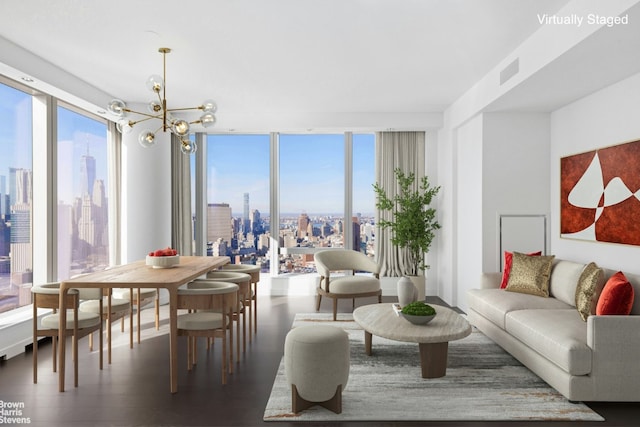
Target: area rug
483	382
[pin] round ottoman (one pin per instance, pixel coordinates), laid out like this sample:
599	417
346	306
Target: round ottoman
316	364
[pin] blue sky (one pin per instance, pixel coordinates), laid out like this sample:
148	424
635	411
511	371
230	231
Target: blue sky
311	172
75	133
311	165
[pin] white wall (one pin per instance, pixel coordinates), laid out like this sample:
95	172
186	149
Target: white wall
608	117
469	205
500	165
515	173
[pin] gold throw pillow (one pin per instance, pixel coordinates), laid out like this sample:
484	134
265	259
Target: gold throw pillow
589	289
530	274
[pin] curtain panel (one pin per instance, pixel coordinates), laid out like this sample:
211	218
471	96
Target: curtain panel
181	221
406	151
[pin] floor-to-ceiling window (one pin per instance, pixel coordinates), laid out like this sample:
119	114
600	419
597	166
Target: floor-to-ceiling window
363	196
82	233
311	177
238	198
16	198
311	193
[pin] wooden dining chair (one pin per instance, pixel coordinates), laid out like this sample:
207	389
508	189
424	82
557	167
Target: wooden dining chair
120	308
78	325
243	281
252	300
211	306
139	298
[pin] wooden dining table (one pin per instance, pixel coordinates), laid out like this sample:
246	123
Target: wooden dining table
139	275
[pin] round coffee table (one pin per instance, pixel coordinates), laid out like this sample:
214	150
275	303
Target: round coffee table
432	338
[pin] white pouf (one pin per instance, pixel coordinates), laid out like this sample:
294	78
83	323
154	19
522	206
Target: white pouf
316	363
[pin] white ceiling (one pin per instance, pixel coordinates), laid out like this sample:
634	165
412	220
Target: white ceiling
279	57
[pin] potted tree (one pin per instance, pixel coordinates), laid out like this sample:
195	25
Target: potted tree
413	222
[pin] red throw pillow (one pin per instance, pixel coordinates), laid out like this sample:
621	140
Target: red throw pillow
616	297
506	270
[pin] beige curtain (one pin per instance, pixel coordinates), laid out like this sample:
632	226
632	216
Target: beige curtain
181	223
114	165
404	150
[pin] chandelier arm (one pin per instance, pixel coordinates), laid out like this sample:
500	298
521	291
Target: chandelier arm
160	128
149	116
133	123
186	109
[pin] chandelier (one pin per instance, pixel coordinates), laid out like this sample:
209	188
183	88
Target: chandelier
158	111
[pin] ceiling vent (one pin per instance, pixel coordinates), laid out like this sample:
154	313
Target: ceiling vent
509	71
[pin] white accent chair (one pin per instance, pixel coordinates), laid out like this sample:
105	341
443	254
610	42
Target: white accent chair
349	286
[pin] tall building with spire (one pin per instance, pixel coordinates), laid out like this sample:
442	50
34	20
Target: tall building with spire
246	222
87	173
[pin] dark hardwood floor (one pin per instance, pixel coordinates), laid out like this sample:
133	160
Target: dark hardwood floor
134	389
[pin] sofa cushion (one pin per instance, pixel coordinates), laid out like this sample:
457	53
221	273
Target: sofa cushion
558	335
506	269
617	296
530	274
564	279
588	290
494	304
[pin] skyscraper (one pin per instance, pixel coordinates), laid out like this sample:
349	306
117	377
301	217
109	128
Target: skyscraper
219	222
303	225
4	208
246	224
87	174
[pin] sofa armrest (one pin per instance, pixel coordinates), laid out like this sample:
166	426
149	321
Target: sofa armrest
490	280
615	345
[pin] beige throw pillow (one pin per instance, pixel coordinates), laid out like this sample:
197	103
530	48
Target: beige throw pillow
530	274
589	289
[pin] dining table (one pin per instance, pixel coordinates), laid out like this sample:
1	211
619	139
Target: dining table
140	275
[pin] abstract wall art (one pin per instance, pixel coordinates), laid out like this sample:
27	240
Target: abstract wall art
600	195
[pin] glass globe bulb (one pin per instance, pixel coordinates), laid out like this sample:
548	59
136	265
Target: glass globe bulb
116	107
155	83
123	126
154	107
207	120
209	106
147	138
181	127
188	146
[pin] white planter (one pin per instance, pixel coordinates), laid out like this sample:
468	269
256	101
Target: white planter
421	284
407	291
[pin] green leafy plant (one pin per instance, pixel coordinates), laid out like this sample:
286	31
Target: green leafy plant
418	308
413	222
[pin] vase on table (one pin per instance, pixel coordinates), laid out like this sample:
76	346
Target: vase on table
407	292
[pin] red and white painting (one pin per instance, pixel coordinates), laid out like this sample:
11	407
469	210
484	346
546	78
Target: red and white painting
600	195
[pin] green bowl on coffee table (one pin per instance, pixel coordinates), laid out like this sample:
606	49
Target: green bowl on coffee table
418	313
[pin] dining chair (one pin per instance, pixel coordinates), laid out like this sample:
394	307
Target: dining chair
211	305
243	281
120	308
78	325
139	298
252	301
348	286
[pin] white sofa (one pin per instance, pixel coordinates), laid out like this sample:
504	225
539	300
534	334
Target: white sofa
596	360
